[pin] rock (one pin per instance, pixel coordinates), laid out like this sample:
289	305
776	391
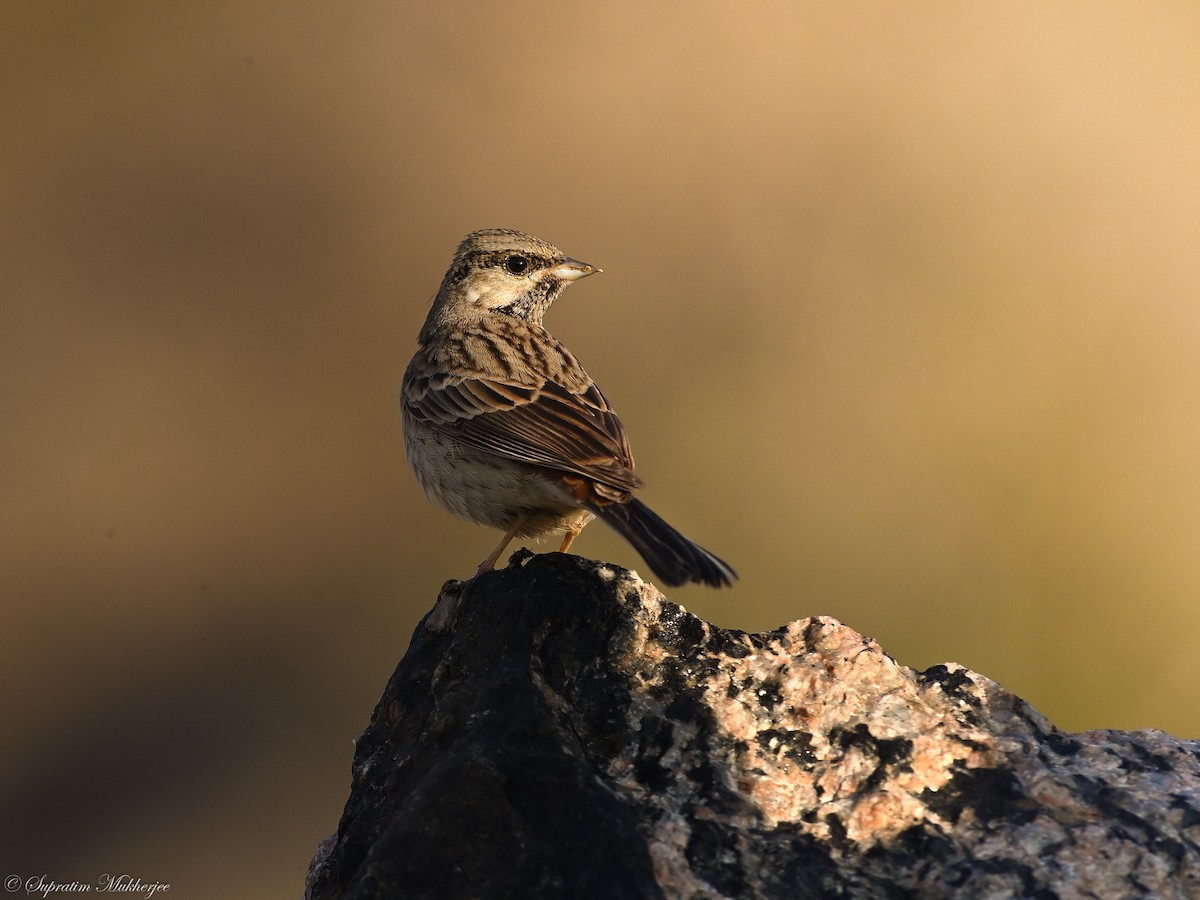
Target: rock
559	729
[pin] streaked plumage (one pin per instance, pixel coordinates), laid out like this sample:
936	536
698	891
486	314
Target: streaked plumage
504	427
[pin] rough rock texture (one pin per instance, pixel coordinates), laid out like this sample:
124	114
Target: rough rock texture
560	729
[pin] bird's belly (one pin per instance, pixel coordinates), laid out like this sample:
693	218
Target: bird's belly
488	489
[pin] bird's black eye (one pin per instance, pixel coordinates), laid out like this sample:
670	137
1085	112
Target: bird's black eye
516	264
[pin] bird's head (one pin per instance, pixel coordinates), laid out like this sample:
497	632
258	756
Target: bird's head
502	272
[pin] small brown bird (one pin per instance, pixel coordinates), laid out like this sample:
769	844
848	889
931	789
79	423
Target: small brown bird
504	427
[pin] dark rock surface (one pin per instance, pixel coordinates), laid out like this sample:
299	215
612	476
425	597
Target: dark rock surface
560	729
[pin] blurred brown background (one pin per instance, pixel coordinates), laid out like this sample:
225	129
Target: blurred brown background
899	308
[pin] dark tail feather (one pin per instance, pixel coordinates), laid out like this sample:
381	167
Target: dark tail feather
674	559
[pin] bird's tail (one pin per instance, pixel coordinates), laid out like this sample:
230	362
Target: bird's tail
674	559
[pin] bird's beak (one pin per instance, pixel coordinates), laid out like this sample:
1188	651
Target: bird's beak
572	270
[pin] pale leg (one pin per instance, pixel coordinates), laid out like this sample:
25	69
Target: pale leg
568	538
490	563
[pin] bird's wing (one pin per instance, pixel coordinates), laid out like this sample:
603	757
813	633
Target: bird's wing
545	424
